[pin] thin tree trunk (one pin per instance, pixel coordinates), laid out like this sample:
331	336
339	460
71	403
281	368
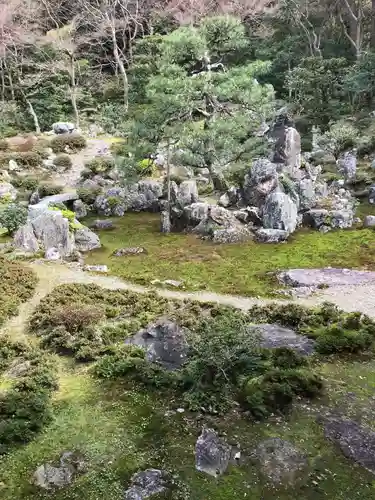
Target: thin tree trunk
373	24
34	115
74	90
120	65
2	82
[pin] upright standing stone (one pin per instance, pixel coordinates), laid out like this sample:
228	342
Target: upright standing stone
347	165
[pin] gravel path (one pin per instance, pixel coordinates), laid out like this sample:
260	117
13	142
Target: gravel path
358	298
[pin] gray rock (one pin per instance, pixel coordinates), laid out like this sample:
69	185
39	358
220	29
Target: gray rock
271	235
369	221
86	240
281	461
164	343
316	218
52	230
373	164
34	198
371	195
49	477
8	191
347	165
280	212
260	181
18	368
80	209
96	268
25	240
328	276
124	252
48	201
230	198
187	194
52	254
236	234
148	484
63	128
356	442
307	194
101	225
212	454
273	336
165	221
341	219
292	150
13	166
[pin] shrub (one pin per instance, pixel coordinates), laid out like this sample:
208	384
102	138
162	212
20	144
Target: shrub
13	216
47	189
88	195
74	142
26	408
63	161
25	159
17	284
10	349
74	317
30	183
4	146
99	165
339	138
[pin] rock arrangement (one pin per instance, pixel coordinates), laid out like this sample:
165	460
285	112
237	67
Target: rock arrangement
50	231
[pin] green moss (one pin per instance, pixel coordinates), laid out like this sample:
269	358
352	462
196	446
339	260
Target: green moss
239	269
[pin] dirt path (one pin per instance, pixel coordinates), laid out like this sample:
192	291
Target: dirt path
50	275
71	177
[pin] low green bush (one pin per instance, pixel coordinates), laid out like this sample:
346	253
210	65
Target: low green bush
27	183
74	142
63	161
89	195
12	216
26	407
47	189
99	165
17	284
26	159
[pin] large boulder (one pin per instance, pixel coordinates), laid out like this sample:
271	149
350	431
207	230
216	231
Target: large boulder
25	239
281	462
260	181
148	484
80	209
86	240
49	201
49	477
347	165
187	194
280	212
63	128
287	144
355	441
53	231
369	221
307	193
237	234
164	343
212	454
292	150
221	226
371	195
7	191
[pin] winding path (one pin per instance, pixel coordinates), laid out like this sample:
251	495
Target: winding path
358	298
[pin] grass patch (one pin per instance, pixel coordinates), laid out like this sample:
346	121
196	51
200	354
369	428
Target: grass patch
233	269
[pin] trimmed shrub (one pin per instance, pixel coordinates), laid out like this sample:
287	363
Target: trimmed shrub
63	161
13	216
74	142
88	195
99	165
25	159
74	317
46	189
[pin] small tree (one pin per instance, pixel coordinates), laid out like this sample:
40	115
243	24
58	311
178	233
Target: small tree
12	217
202	99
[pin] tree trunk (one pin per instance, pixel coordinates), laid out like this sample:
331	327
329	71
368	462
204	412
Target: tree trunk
34	115
373	24
2	82
73	90
120	66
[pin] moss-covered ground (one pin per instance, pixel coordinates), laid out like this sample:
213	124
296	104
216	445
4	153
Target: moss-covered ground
239	269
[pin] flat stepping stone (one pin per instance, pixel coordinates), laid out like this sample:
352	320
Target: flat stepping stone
328	276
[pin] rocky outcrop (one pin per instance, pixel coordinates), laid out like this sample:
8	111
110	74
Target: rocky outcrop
49	477
164	343
63	128
271	235
86	240
52	230
187	194
212	453
347	165
49	201
259	182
